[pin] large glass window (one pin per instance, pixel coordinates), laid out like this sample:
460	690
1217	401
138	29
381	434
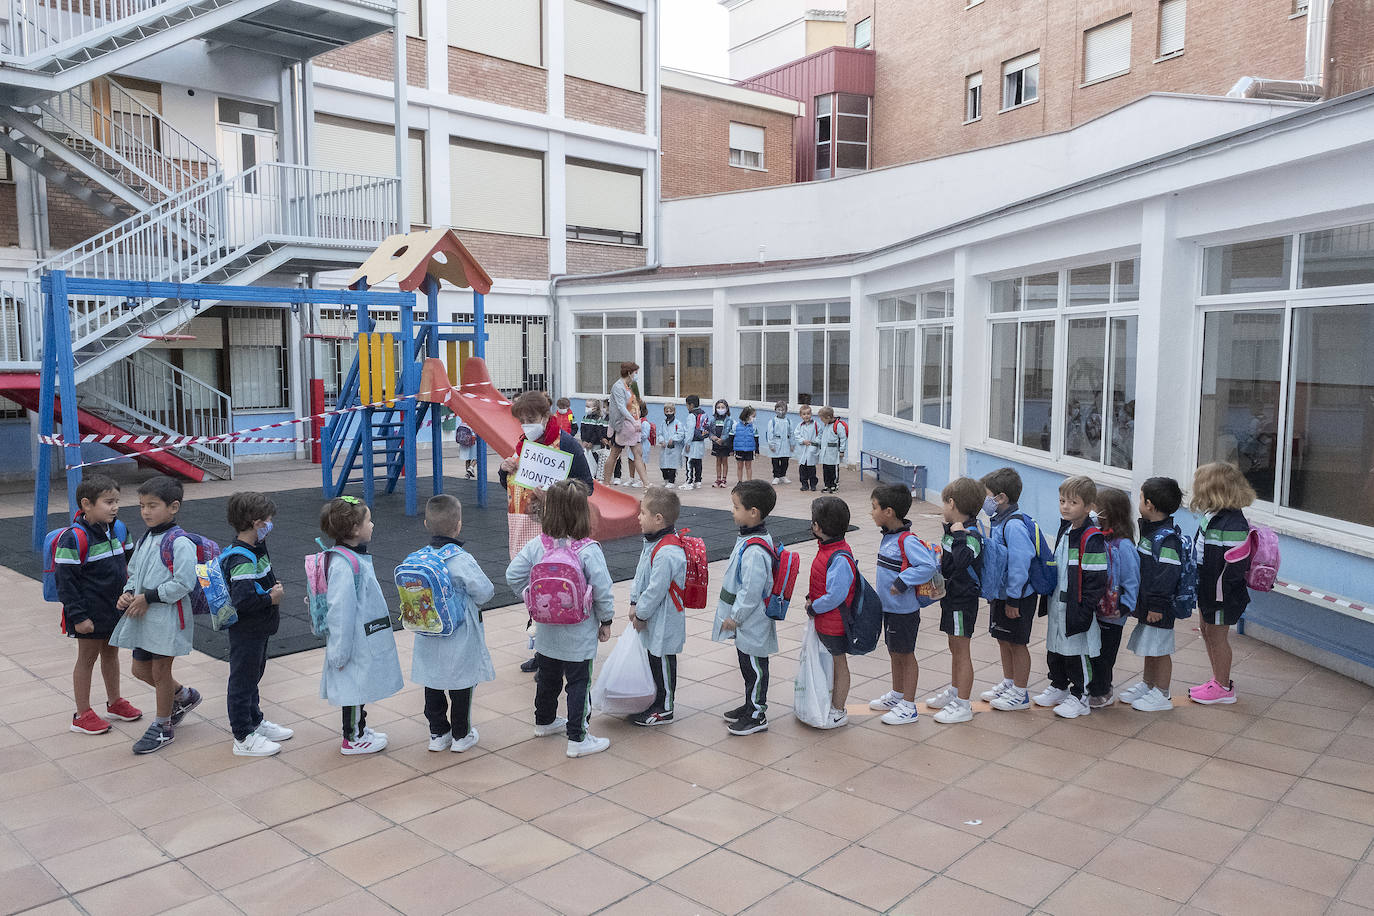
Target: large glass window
672	347
1247	267
1242	366
1099	416
915	357
818	375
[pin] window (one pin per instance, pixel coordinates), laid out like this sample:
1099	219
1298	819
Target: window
746	146
604	203
672	346
1172	14
415	19
817	332
348	145
1336	257
603	44
1090	413
1107	50
851	132
915	357
1247	267
823	138
1299	7
511	29
973	97
1330	257
5	173
863	33
496	188
1021	80
257	358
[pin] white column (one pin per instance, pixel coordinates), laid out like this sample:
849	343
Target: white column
863	372
436	45
553	53
968	399
556	191
1164	366
724	349
437	161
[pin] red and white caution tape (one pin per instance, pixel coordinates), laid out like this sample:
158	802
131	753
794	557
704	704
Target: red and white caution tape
1323	598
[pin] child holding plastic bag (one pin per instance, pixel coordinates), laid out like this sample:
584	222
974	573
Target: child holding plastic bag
661	624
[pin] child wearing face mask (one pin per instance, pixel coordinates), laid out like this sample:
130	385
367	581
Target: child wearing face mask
672	437
722	432
256	596
778	434
532	411
808	449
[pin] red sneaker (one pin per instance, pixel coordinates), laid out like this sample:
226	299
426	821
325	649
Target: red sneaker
89	723
123	710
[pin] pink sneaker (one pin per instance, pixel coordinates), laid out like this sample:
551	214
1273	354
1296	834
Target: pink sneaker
1211	692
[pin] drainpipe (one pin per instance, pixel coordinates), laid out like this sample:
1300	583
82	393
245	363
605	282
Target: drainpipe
1313	86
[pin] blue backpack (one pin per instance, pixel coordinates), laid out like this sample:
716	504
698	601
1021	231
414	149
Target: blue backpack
215	587
1043	576
745	438
83	549
862	614
430	605
1185	596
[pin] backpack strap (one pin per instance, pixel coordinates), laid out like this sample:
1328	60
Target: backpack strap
165	552
1082	548
854	564
901	548
674	592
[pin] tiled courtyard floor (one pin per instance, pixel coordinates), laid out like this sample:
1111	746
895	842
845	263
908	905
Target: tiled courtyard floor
1266	806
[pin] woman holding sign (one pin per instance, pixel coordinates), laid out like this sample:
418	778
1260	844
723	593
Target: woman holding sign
622	426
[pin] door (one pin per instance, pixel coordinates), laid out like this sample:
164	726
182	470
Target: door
247	138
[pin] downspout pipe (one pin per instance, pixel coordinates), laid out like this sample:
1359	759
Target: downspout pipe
1314	86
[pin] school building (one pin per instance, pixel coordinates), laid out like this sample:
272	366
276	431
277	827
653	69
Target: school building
1184	279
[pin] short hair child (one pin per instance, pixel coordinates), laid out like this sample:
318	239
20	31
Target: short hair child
808	447
834	440
832	582
564	652
156	623
961	563
746	443
564	404
655	608
904	563
778	435
256	596
1116	519
89	585
1010	618
450	667
695	450
740	612
1220	493
360	661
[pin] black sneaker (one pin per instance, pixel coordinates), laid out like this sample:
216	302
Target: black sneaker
734	715
650	718
756	723
153	739
181	707
529	665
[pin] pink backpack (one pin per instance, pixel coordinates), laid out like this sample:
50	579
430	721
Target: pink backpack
1261	546
558	592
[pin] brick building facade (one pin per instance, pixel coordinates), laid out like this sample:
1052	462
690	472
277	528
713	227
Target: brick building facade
926	54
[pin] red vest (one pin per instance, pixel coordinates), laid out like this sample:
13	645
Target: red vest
828	623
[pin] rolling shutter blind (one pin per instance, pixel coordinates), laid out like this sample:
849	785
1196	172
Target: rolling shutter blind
510	29
600	198
1021	63
976	80
1107	49
416	182
1171	20
746	137
603	44
497	188
415	19
361	146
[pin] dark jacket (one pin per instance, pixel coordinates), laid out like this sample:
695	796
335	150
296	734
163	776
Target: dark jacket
89	590
961	563
592	430
1219	534
1158	578
250	583
1089	565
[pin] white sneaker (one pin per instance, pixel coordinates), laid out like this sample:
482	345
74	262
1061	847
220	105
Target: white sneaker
943	698
887	701
1072	707
553	728
363	744
996	691
255	745
838	717
465	743
440	742
697	485
903	713
685	486
274	732
588	745
955	711
1131	694
1154	700
370	735
617	481
636	484
785	480
1012	699
776	481
1052	696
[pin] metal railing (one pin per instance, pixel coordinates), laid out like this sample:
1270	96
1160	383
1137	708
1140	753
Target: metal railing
147	394
103	121
39	26
203	230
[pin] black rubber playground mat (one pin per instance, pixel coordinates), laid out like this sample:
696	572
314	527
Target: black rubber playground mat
395	535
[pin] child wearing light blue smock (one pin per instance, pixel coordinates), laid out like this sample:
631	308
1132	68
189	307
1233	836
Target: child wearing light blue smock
449	667
834	440
740	614
697	437
672	437
808	438
657	600
778	435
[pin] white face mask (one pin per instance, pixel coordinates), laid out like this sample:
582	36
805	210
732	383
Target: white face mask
634	376
532	430
781	413
720	411
264	530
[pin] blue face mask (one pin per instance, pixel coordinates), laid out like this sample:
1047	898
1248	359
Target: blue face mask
990	506
263	531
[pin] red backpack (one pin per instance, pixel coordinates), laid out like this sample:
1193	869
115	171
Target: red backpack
697	583
786	565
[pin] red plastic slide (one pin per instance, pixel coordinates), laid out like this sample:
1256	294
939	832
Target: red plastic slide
484	409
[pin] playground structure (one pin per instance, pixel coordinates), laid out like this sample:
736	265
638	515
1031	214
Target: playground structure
382	408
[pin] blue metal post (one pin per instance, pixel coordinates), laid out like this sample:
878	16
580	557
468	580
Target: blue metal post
410	385
47	385
436	411
367	456
479	348
61	345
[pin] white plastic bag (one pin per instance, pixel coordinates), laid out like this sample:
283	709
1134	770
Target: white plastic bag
815	672
625	684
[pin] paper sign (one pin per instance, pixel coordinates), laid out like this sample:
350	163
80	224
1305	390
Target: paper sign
541	467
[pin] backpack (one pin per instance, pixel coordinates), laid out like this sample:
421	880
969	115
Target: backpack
699	425
215	587
1261	547
464	436
786	565
207	551
1185	596
835	428
697	582
317	583
862	613
927	593
1109	608
558	592
83	549
653	435
1043	575
430	604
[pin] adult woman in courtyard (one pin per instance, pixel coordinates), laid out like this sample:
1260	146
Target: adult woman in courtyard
623	428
